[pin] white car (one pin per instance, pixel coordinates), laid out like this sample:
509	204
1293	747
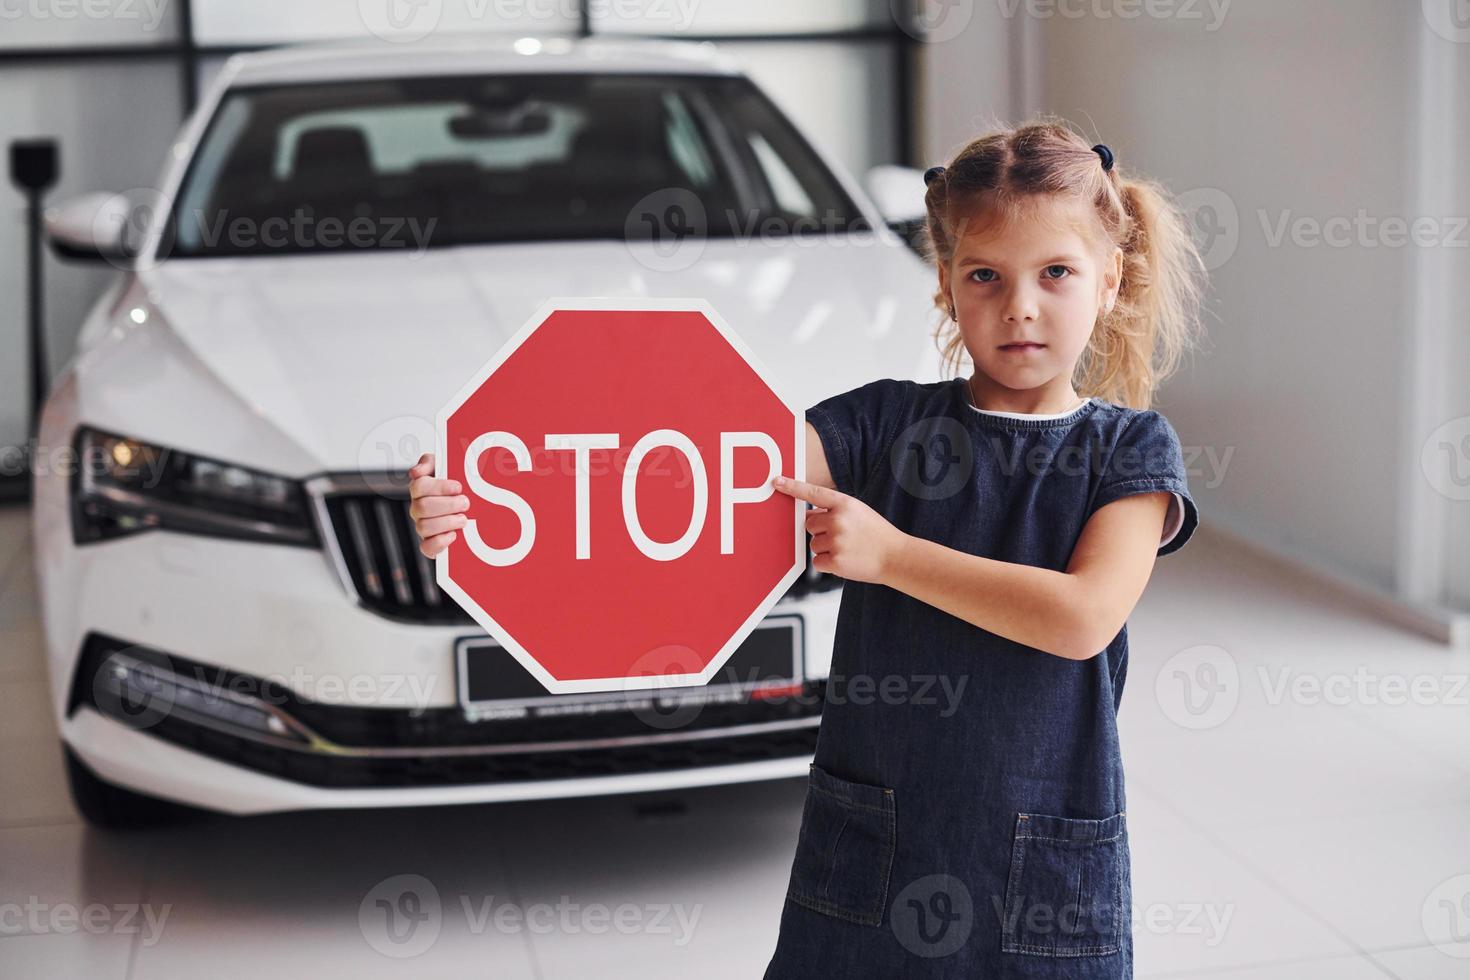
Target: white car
237	617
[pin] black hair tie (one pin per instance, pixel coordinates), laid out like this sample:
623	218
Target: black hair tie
932	173
1107	155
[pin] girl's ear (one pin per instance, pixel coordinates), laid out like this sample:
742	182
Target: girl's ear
1113	277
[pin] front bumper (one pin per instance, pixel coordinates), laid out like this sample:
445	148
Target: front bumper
129	757
260	725
398	737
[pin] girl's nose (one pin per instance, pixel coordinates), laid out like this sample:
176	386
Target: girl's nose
1020	306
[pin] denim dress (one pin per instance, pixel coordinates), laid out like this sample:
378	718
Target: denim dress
965	813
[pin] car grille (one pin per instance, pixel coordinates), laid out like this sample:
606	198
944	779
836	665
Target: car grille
374	538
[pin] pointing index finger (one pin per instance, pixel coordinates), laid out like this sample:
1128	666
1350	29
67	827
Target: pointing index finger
818	496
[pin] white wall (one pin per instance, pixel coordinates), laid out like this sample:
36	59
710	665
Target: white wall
1454	378
1322	362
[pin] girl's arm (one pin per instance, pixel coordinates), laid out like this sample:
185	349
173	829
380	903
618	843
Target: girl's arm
1072	614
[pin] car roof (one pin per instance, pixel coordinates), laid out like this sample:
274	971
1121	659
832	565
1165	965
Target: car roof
476	54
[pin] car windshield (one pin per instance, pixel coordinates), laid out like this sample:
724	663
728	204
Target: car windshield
425	162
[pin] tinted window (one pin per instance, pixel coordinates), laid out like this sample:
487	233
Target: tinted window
413	162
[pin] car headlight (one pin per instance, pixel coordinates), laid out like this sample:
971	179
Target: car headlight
122	486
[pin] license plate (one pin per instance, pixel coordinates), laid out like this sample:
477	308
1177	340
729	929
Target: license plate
493	685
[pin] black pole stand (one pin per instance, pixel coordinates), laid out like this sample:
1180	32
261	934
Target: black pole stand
34	167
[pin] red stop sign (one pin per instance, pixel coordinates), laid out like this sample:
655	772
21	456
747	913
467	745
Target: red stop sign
622	531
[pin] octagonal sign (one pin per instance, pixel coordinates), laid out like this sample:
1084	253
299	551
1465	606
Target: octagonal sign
622	532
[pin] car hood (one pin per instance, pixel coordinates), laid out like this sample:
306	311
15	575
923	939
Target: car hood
308	363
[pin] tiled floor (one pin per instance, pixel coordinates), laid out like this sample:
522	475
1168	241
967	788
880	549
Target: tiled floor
1277	833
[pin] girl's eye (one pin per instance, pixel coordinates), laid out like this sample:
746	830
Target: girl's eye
1065	271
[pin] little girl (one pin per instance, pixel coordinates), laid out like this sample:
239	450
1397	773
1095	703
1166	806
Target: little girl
995	533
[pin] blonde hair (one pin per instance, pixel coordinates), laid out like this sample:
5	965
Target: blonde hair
1157	313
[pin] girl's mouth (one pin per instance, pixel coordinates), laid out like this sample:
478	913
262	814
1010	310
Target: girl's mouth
1025	346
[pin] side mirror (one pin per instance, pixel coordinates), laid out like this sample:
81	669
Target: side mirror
96	227
899	194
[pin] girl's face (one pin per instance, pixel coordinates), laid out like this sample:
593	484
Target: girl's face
1036	280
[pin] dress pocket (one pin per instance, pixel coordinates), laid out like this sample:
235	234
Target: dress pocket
845	849
1064	893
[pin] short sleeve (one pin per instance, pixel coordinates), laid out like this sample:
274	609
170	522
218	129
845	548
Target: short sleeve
1146	459
856	428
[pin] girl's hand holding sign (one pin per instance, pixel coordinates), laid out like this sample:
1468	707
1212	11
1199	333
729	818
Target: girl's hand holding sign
849	538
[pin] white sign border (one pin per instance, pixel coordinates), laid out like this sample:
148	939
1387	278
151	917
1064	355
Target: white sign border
441	470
